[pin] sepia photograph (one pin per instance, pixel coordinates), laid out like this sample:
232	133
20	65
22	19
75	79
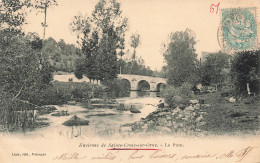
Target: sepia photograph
129	81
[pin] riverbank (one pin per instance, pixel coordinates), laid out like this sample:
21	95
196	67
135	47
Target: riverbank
113	117
217	116
166	121
102	118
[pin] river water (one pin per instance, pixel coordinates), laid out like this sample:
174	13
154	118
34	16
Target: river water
103	122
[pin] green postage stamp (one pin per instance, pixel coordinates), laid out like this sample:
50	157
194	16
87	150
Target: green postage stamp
239	29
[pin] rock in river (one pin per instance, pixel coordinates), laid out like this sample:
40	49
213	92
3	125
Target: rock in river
61	113
76	121
134	110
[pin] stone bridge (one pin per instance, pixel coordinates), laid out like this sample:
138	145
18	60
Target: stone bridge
135	81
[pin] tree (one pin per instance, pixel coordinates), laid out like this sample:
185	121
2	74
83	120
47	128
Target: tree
35	40
121	53
12	17
122	46
19	55
101	37
43	5
245	70
79	71
62	45
12	14
135	42
22	78
215	69
135	67
180	56
61	56
50	52
20	66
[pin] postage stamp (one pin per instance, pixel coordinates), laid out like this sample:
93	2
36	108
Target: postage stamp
238	30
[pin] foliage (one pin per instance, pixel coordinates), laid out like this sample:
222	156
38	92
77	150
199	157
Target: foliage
101	35
181	58
79	69
117	88
176	96
20	57
22	70
245	69
20	67
135	68
12	14
215	69
61	56
135	42
160	73
62	92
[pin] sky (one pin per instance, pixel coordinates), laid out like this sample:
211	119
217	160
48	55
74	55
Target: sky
154	20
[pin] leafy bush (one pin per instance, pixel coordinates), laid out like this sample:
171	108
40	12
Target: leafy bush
176	96
76	91
185	90
60	92
98	91
48	96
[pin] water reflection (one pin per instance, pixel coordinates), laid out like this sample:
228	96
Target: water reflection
103	122
132	94
136	94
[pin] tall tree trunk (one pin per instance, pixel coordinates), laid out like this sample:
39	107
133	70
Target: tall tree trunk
45	16
44	30
134	55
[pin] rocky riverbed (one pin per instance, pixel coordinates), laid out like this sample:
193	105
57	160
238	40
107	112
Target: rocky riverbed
180	120
172	121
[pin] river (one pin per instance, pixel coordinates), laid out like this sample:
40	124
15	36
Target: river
103	122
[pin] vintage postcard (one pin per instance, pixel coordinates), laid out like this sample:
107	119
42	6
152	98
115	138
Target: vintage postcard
129	81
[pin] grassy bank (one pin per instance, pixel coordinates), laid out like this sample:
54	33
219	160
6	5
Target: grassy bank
224	117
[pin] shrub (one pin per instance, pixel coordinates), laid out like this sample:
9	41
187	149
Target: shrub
176	96
47	96
60	92
98	92
76	91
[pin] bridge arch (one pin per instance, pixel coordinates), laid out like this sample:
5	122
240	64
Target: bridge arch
126	83
143	85
160	87
139	82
